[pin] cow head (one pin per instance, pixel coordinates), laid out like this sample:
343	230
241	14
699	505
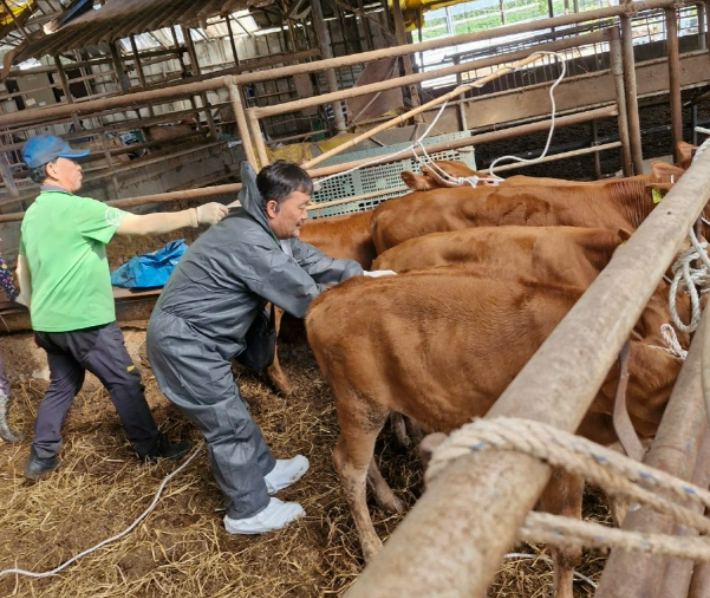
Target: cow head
444	173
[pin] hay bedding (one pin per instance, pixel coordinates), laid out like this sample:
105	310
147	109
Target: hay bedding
181	549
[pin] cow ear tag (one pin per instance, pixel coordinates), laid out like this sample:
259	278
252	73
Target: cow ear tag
656	195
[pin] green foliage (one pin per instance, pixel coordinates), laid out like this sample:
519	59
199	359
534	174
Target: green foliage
479	19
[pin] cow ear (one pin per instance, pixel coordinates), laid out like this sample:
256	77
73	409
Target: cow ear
416	182
624	234
665	173
686	151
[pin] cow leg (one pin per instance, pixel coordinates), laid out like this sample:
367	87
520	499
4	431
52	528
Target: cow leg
352	456
406	429
382	491
399	427
563	496
276	375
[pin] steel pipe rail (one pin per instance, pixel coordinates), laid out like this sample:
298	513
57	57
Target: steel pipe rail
469	516
675	450
144	97
205	192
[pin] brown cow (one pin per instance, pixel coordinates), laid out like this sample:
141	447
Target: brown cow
340	237
457	173
562	254
614	204
555	254
440	346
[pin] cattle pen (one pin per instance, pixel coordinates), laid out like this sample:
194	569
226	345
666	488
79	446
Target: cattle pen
482	484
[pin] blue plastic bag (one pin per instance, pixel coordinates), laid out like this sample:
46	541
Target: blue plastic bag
149	269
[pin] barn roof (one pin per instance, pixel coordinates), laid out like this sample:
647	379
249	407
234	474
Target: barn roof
121	18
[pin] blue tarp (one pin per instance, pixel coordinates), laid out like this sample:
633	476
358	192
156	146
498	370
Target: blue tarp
149	269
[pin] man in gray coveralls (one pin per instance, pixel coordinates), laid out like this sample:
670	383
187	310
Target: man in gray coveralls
200	321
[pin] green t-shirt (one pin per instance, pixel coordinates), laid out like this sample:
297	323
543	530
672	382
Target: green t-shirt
63	238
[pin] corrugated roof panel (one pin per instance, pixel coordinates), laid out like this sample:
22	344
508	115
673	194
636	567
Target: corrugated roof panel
120	18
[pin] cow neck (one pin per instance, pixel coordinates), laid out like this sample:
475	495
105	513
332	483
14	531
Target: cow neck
633	198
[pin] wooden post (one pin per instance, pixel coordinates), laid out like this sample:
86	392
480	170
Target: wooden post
324	43
232	43
6	173
675	450
109	162
257	137
632	106
235	95
461	106
617	71
67	92
406	59
139	70
674	78
118	67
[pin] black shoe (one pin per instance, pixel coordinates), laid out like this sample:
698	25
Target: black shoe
37	467
165	449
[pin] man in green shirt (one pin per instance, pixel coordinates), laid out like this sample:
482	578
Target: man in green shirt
64	281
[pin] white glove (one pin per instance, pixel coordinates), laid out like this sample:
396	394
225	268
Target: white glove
211	213
378	273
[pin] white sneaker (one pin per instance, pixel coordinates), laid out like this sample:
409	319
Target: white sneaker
285	473
276	515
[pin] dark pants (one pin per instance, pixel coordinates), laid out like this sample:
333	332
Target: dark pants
100	350
194	376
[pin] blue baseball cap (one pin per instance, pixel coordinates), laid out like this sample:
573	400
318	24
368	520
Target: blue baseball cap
43	149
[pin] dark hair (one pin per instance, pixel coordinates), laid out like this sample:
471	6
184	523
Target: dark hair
278	180
39	174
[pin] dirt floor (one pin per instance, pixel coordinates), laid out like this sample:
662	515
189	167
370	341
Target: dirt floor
181	549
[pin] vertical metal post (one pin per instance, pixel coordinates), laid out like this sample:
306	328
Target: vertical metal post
595	155
139	70
118	67
674	78
232	43
407	59
632	107
235	95
67	92
324	44
109	162
195	68
675	450
6	173
463	124
257	137
617	71
702	40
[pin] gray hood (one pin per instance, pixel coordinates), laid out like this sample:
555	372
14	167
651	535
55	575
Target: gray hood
250	197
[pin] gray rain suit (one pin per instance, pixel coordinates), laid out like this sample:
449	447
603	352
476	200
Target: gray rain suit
198	326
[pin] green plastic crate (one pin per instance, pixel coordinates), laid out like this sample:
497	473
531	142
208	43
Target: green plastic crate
379	178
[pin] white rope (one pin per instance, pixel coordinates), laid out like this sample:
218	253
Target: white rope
673	346
687	277
552	120
130	528
616	474
491	179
